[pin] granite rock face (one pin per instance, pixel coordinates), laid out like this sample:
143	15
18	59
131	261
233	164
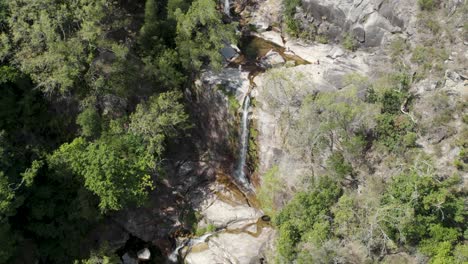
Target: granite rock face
371	23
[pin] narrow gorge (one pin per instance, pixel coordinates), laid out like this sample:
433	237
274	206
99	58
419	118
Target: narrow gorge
234	131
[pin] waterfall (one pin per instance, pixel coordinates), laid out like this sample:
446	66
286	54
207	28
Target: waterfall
244	143
173	257
226	7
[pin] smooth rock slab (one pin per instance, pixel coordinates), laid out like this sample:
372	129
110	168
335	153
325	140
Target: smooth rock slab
272	59
240	248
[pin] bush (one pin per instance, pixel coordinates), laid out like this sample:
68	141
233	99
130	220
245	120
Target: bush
392	131
90	122
398	47
349	42
210	228
292	25
437	205
305	217
391	102
427	4
429	58
339	165
409	140
322	39
426	20
270	189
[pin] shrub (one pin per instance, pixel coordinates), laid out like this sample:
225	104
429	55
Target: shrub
349	42
322	39
292	25
426	21
392	131
429	58
437	206
398	47
462	160
391	101
465	31
90	122
270	188
409	140
305	217
427	4
339	165
210	228
465	118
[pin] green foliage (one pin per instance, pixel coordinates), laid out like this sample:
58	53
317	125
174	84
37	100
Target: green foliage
292	25
465	31
398	48
339	166
333	120
56	40
32	172
439	213
164	69
322	39
349	42
233	103
426	21
427	4
271	189
6	196
59	213
8	246
201	34
394	129
461	162
305	217
102	256
409	140
154	32
210	228
430	58
391	101
115	168
90	122
162	116
461	253
49	197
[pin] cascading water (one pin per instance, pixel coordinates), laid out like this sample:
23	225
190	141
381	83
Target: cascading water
226	7
239	172
173	258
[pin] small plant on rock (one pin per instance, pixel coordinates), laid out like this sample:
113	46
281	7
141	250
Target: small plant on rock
349	42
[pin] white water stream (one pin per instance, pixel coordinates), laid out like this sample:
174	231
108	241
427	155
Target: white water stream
239	172
173	257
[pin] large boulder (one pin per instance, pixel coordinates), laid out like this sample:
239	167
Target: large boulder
370	22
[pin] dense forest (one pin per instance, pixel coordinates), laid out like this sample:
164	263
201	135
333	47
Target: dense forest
93	93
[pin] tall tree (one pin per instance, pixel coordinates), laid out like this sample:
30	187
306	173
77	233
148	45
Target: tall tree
55	41
201	35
